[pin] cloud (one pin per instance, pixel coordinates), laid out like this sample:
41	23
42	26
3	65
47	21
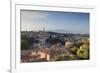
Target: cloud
35	27
29	14
28	18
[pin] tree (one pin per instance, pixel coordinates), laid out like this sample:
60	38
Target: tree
24	44
65	56
61	57
74	50
83	53
29	41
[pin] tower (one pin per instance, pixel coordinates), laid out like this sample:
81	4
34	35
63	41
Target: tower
43	29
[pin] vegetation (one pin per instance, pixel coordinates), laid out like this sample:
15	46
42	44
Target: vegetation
27	42
74	50
78	52
83	53
65	56
24	44
54	40
59	48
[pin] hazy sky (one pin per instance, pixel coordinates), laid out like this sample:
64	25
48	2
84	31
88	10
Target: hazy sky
58	21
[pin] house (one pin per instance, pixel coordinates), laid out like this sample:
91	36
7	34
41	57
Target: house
68	44
39	55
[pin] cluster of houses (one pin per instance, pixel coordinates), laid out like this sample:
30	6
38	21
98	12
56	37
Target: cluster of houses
42	51
35	56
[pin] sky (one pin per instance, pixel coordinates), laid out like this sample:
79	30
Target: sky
67	22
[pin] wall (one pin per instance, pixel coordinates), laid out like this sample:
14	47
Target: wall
5	36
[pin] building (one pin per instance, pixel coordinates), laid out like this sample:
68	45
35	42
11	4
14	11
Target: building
68	44
35	56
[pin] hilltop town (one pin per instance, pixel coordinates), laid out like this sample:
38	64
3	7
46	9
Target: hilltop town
47	46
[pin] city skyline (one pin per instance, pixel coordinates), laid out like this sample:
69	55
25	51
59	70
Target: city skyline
69	22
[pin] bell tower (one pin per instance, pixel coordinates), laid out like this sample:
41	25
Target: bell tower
43	29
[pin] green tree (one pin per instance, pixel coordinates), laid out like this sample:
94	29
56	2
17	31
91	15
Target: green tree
24	44
65	56
83	53
61	57
74	50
